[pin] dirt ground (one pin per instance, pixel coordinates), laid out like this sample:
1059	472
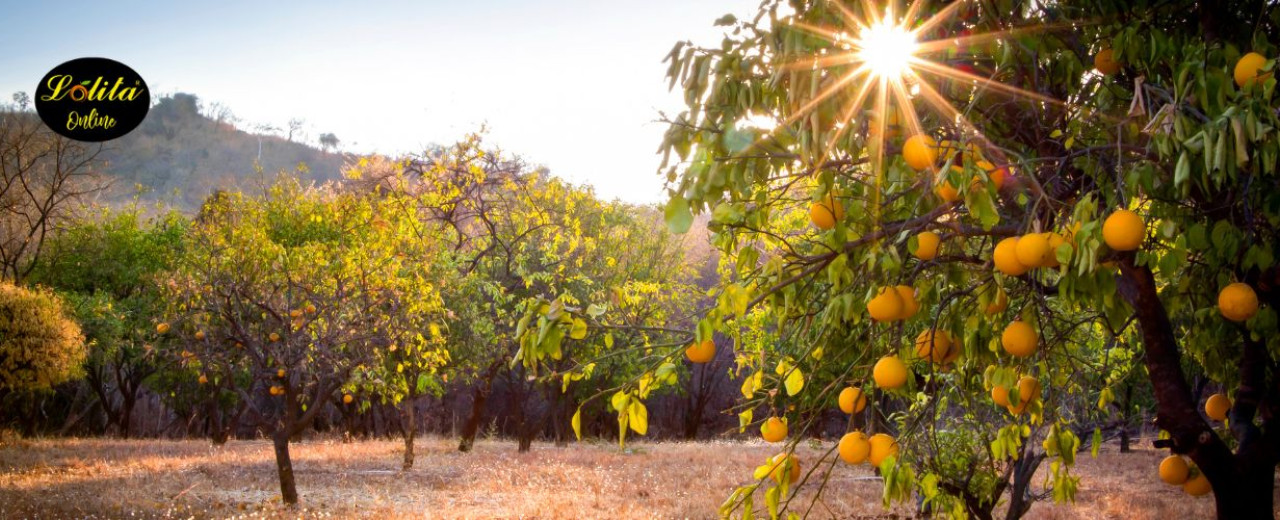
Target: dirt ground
108	478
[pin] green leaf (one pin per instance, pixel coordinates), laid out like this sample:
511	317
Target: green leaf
579	329
1097	442
677	214
638	416
726	20
794	382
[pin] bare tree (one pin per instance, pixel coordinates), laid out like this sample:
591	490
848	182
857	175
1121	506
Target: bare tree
295	128
42	178
21	99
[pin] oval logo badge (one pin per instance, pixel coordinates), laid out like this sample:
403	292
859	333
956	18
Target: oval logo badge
92	99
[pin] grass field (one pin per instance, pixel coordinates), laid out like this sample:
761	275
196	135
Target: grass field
104	478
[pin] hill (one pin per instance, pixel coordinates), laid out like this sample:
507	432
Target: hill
180	155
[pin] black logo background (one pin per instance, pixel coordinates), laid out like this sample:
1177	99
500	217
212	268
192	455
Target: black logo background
127	114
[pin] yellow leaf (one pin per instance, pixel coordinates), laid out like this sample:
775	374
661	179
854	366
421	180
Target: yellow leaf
794	382
638	416
579	329
577	423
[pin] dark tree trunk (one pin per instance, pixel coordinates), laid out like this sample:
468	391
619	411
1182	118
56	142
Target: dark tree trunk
1020	500
409	426
469	428
284	466
1126	418
1243	482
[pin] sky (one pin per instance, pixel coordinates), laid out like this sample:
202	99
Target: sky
573	85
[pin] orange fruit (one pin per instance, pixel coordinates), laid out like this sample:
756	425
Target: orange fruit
779	464
274	337
933	345
889	373
826	213
1174	470
701	352
910	306
1217	406
1055	240
203	379
1237	302
1000	395
1028	392
926	246
773	429
199	335
1246	71
882	446
346	399
280	373
1124	230
852	400
945	190
1005	257
886	306
920	151
1197	486
1105	62
162	328
854	448
1032	249
1019	339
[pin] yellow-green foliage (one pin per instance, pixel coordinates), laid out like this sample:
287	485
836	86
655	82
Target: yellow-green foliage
39	346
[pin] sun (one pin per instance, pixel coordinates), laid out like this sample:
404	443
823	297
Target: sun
886	49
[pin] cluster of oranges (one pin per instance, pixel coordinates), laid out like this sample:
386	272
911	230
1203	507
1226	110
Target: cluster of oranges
1245	72
1028	392
895	303
1175	471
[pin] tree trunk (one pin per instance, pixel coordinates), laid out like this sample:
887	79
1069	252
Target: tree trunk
288	489
1242	483
472	425
410	429
1126	416
1019	498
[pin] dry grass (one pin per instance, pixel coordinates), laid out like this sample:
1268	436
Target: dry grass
114	478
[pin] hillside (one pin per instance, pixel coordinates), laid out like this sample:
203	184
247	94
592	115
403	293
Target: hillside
180	156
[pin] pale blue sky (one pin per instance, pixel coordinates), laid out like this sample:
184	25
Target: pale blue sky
571	84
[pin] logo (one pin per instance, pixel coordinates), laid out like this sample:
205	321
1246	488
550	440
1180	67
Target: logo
92	99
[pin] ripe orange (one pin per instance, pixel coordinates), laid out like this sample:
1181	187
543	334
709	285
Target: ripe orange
854	447
920	151
1197	486
886	306
926	246
1124	230
162	328
945	190
910	306
1005	257
275	390
1033	249
780	463
953	353
199	335
1028	392
1217	406
296	313
889	373
203	379
882	446
310	309
280	373
1019	339
347	398
274	337
1237	302
701	352
1000	395
826	213
1105	62
1174	470
773	429
933	346
1246	72
852	400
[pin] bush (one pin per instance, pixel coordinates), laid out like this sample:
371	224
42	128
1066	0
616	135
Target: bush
39	346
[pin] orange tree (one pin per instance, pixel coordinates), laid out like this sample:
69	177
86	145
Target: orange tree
536	262
294	294
1044	179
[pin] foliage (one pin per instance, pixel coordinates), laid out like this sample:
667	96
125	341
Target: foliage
39	346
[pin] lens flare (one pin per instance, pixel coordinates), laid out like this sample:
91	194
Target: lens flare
887	50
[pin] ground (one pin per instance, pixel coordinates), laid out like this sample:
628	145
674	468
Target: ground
178	479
